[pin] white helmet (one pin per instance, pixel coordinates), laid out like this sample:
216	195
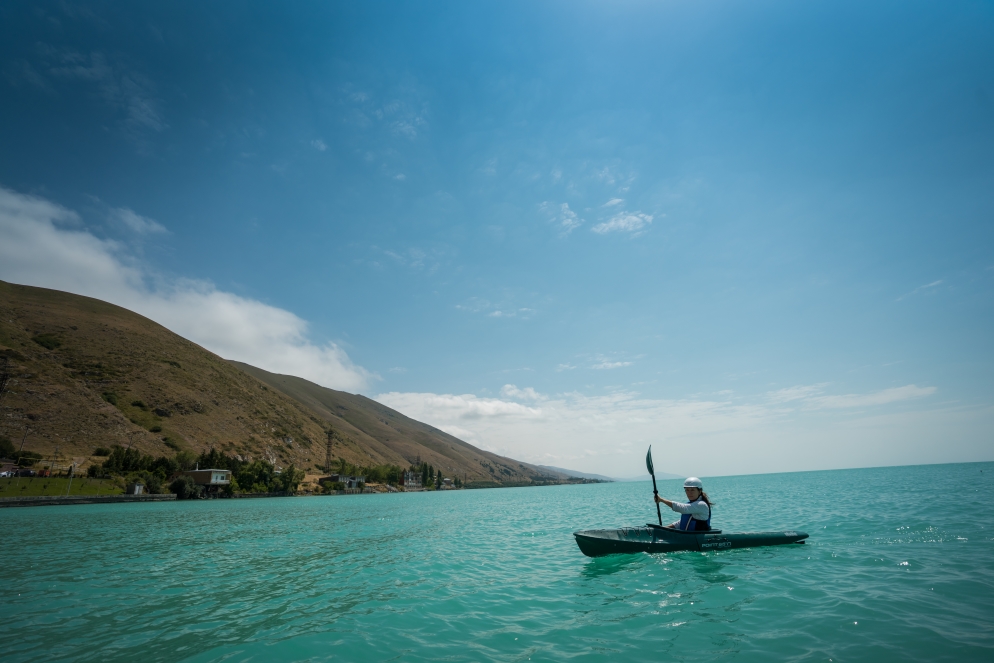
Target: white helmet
693	482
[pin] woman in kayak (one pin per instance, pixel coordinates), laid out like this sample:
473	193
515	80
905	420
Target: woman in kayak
695	514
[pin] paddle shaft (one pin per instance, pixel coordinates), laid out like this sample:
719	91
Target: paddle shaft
655	494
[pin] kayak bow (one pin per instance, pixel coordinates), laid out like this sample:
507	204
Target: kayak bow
655	539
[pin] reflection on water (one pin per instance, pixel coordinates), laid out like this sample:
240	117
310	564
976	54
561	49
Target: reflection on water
596	567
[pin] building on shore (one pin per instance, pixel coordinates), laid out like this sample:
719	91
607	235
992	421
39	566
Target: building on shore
348	481
136	488
213	481
411	481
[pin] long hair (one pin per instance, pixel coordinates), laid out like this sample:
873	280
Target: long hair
707	500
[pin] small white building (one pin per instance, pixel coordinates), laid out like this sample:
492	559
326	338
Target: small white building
345	479
211	480
411	481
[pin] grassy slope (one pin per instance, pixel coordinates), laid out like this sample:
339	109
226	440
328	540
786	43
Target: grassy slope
197	398
40	486
361	421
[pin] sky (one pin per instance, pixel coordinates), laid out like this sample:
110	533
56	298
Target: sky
757	236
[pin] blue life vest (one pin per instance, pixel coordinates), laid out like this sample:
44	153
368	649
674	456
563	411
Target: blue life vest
690	524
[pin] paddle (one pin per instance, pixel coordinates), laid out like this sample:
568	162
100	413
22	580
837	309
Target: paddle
648	464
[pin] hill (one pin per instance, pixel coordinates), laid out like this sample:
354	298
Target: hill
364	424
86	374
574	473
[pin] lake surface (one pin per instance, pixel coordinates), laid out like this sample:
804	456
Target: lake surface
899	566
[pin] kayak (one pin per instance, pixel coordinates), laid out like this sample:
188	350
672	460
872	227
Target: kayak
656	539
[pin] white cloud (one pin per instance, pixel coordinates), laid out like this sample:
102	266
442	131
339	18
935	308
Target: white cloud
565	218
319	145
608	365
811	397
613	202
883	397
794	393
451	408
38	250
792	430
526	394
624	222
136	222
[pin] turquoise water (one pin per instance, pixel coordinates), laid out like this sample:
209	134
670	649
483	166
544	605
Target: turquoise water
899	566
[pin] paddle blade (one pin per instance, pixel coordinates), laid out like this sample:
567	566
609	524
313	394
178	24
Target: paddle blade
648	462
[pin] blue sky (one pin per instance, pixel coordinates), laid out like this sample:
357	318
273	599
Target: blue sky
756	235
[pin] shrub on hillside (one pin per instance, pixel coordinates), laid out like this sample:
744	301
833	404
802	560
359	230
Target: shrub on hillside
28	458
47	341
101	451
7	449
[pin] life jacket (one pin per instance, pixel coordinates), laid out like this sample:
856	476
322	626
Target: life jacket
691	524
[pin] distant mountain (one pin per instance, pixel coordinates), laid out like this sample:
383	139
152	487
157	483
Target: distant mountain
87	374
574	473
660	476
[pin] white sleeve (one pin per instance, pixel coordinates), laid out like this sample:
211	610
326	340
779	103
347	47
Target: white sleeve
698	509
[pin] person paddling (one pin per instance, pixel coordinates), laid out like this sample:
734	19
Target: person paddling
695	514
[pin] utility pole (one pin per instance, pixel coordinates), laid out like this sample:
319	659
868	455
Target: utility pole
24	437
72	473
327	451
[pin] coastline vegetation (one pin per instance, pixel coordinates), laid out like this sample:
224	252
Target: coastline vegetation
258	476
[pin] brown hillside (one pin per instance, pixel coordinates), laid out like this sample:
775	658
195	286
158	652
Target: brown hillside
373	426
88	374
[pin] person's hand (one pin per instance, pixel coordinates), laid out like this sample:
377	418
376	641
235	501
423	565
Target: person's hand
658	498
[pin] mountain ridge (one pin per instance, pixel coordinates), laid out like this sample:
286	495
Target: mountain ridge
87	373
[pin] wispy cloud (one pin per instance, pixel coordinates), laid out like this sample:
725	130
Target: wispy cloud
319	145
136	222
882	397
921	288
813	396
38	250
427	260
565	219
608	365
121	87
492	310
613	202
627	222
794	393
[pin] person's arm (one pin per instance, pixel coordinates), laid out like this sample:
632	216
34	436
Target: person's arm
698	509
663	500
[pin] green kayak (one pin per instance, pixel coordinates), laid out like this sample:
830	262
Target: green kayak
656	539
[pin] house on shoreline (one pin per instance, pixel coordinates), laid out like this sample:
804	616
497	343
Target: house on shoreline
212	480
411	482
346	480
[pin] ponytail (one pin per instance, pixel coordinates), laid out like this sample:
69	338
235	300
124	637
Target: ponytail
707	500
